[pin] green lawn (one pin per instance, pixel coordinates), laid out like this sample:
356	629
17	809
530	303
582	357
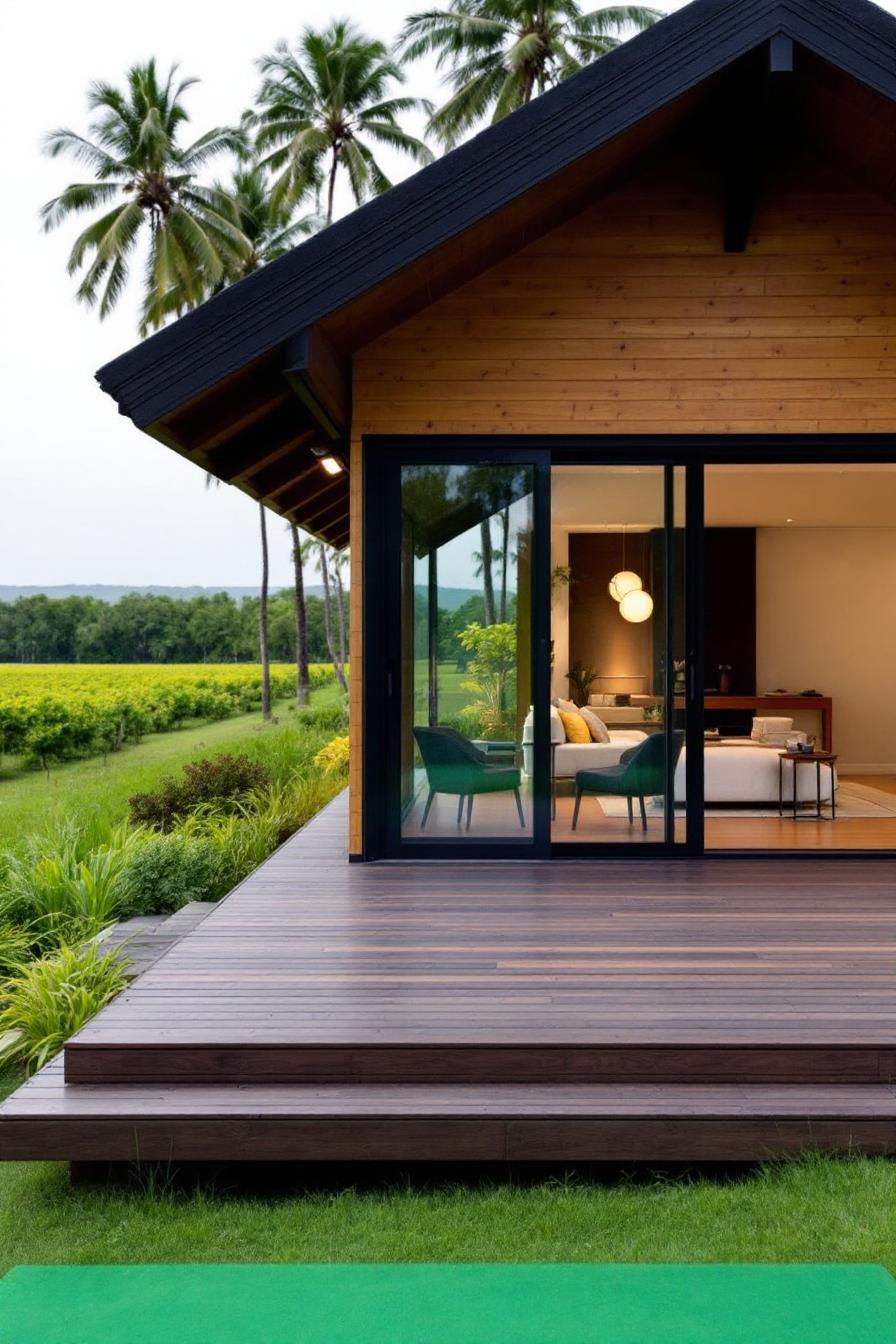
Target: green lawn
30	799
809	1211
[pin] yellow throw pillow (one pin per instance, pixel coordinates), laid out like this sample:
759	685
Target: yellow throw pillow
575	727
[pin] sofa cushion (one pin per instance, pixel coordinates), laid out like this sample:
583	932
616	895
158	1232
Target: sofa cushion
596	725
576	728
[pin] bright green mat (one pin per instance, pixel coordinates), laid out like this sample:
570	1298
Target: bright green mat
449	1304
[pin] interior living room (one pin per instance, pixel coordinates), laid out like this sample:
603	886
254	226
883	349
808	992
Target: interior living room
799	642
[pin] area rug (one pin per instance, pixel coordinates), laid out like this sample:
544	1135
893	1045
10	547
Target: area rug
854	800
449	1304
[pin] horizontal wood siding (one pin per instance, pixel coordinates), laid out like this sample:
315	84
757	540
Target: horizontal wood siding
631	319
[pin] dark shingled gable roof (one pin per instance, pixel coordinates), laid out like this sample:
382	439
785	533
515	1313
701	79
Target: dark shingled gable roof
253	318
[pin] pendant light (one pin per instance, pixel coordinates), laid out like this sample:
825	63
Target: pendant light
636	606
624	580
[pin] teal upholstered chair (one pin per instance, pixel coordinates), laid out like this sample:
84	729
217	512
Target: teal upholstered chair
454	765
641	773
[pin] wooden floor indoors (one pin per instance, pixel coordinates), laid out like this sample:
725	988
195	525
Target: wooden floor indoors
627	1009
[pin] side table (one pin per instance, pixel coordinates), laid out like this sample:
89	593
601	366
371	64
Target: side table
818	759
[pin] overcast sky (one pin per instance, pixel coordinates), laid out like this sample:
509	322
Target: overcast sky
85	497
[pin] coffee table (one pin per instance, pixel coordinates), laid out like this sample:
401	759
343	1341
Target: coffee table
818	759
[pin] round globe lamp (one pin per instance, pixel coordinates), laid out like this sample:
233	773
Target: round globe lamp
626	581
636	606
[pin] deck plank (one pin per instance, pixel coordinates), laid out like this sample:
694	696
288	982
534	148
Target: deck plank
319	970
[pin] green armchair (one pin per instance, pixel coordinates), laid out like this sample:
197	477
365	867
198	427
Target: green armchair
641	773
454	765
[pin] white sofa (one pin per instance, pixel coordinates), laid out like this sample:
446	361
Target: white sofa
572	756
736	770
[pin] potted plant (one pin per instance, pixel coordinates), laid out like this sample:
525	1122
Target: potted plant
580	680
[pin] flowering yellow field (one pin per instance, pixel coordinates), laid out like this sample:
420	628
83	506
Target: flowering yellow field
58	711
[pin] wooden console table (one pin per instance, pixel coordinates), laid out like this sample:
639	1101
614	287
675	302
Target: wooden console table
773	705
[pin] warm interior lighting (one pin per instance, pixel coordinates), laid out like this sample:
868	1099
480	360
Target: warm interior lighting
626	581
636	606
331	465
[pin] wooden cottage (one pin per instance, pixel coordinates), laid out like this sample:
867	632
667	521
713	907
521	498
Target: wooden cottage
604	402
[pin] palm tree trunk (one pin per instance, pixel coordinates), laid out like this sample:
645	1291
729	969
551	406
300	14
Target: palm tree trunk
505	543
302	679
263	620
328	616
331	188
340	611
488	583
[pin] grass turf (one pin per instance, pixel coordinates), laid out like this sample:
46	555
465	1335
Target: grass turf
450	1304
30	799
813	1210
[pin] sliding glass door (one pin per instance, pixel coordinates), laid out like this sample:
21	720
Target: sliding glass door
622	678
529	676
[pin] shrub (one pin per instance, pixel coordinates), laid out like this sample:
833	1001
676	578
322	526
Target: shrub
46	1001
219	779
59	890
333	758
164	872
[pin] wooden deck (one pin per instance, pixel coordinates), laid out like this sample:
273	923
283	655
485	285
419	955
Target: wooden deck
575	1010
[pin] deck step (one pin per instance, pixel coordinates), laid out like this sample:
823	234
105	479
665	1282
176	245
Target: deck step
50	1119
144	1058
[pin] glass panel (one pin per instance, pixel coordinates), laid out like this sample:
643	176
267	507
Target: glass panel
800	641
609	656
466	652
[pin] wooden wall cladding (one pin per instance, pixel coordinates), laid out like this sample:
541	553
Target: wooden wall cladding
630	318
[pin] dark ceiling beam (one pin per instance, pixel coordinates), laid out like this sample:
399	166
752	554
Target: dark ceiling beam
320	379
755	118
325	518
283	468
306	492
278	434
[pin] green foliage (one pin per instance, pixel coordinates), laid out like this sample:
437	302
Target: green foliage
164	872
152	628
61	886
46	1001
60	713
144	184
492	668
501	53
322	105
333	758
220	779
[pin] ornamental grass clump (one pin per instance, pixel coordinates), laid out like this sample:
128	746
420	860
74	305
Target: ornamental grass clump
45	1002
65	886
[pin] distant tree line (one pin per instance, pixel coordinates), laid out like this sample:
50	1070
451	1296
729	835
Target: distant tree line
142	628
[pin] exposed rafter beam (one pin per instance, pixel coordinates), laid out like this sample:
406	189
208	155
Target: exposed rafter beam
320	379
754	121
264	442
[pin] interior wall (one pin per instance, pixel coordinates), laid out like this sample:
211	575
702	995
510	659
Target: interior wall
598	635
826	619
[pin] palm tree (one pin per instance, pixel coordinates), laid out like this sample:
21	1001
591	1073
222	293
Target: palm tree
212	482
303	681
320	552
500	53
139	168
320	107
340	560
263	618
268	225
484	561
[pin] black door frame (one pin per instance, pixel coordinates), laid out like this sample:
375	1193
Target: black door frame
691	452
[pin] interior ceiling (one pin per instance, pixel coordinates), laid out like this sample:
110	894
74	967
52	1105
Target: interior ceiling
593	499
